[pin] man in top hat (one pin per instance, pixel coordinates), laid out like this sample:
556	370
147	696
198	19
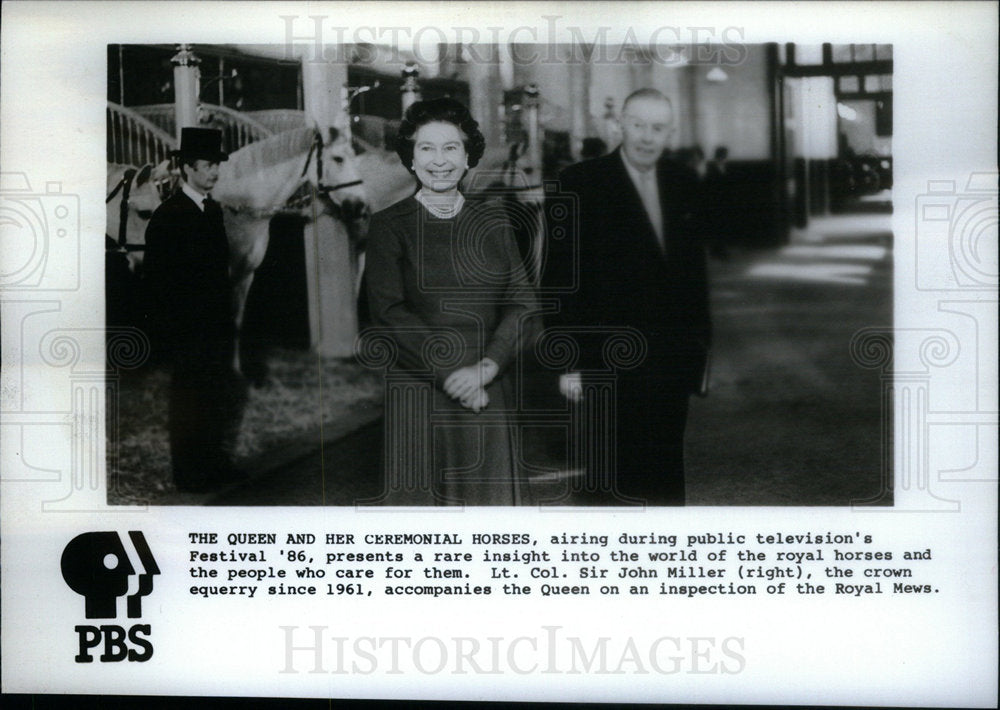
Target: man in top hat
640	271
187	268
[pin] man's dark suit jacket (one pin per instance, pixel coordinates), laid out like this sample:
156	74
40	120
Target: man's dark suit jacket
186	265
625	280
187	269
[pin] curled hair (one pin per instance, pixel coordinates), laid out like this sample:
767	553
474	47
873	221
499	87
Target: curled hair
445	110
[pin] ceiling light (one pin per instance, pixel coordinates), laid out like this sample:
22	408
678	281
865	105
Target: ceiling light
716	74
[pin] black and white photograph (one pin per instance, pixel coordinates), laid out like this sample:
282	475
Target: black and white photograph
529	351
347	336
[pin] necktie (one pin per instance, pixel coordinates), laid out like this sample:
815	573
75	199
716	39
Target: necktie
651	201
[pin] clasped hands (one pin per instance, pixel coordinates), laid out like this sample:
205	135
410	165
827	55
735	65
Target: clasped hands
468	384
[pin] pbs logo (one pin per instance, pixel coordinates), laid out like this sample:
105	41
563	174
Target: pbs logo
99	567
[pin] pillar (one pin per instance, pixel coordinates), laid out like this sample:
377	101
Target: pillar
486	92
579	108
410	90
695	129
532	124
187	78
640	71
333	322
611	130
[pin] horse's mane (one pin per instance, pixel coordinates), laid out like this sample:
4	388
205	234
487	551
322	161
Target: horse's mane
267	153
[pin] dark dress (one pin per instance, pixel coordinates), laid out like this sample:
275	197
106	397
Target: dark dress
446	293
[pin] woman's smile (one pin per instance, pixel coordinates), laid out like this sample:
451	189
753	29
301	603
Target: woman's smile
439	157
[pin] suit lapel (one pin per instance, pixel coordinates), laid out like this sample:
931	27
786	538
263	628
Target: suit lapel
631	202
667	204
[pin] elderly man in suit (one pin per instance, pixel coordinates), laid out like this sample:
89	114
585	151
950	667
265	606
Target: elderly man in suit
639	268
187	268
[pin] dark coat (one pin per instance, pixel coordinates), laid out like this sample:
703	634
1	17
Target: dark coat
609	273
427	276
462	278
186	266
618	276
187	270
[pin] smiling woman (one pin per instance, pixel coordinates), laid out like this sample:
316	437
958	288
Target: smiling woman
439	157
447	289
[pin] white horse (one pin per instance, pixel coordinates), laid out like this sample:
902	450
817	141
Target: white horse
259	179
133	194
254	184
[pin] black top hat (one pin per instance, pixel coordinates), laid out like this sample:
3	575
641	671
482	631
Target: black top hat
201	144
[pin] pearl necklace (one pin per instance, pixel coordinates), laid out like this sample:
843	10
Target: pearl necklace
439	211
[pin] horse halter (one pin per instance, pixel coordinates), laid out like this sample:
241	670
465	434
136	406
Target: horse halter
124	186
317	148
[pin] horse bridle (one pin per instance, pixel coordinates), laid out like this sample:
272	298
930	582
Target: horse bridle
317	148
124	186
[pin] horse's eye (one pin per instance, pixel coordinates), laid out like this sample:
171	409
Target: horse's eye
145	214
338	159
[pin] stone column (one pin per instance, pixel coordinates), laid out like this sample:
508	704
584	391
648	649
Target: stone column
333	322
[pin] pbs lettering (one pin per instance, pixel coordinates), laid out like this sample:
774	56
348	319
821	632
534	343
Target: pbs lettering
97	566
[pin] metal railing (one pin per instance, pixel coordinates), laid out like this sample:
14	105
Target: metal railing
134	140
238	128
163	115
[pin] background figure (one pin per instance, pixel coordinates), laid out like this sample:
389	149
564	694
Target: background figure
696	161
187	268
445	271
720	201
717	165
641	267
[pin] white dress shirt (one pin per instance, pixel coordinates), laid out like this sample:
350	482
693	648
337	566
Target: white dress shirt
197	197
649	191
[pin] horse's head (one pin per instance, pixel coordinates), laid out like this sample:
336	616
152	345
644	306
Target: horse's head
336	177
133	193
165	177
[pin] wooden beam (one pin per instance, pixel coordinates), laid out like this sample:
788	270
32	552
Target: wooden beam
877	66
